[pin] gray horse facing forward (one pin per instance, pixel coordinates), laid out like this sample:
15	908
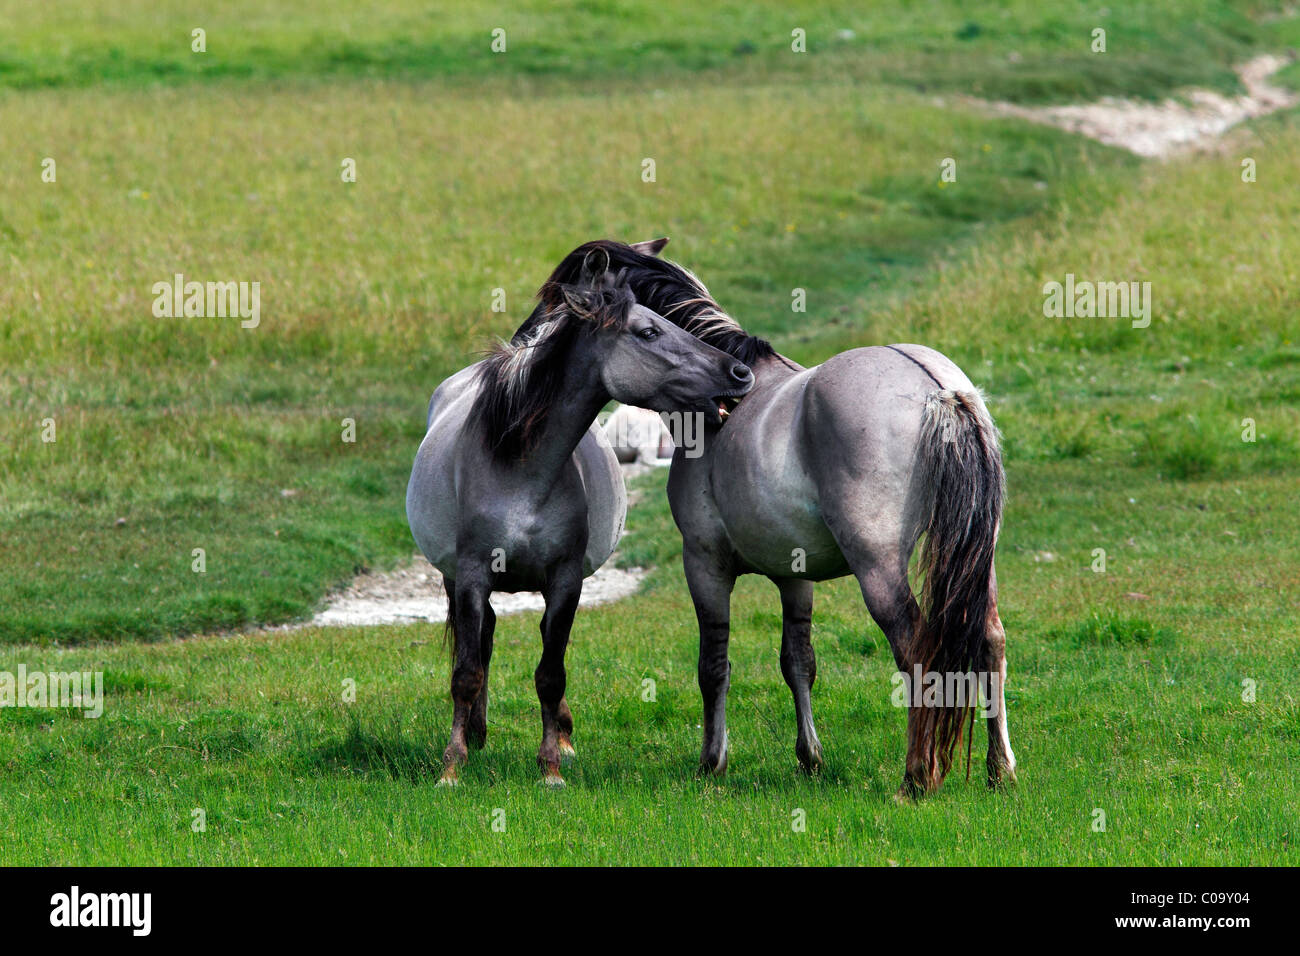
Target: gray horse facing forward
513	488
834	470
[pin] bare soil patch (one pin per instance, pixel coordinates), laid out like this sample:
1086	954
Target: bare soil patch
1157	130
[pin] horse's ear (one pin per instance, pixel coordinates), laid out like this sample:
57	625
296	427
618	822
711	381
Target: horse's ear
650	247
581	300
594	266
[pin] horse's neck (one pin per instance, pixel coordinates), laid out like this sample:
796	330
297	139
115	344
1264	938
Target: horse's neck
580	401
775	368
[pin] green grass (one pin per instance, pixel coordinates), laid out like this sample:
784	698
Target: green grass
253	730
373	292
1021	49
823	174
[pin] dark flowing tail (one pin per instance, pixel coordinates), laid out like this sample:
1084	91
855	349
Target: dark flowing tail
962	467
449	628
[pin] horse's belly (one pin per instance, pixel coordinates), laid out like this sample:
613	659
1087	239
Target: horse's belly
772	518
785	542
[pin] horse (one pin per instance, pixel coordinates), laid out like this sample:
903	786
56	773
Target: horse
638	435
834	470
513	487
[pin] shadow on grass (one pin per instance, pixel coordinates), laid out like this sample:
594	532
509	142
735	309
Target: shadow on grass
401	753
1112	630
386	752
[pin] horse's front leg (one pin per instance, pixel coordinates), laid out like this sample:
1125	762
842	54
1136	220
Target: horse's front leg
799	665
561	593
466	615
711	588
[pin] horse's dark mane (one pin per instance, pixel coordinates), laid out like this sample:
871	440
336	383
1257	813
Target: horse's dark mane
521	380
664	287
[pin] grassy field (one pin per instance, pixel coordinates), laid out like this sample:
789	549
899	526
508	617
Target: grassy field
773	172
1017	49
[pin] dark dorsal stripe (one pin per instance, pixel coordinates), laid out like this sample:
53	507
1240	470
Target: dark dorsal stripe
917	362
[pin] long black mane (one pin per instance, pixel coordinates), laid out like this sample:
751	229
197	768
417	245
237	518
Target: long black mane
520	381
664	287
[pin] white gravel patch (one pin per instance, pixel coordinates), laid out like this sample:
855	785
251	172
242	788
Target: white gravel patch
414	594
1157	130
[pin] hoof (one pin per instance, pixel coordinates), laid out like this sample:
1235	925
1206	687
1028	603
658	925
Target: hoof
810	762
1003	781
448	778
553	781
911	790
718	769
711	765
567	752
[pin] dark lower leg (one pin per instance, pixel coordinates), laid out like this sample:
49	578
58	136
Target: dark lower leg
714	675
550	678
921	769
711	588
894	608
467	679
476	727
564	717
799	666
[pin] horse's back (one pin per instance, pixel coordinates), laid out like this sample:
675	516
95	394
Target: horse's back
878	393
833	446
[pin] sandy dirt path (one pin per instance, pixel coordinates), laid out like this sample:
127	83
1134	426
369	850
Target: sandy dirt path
1159	130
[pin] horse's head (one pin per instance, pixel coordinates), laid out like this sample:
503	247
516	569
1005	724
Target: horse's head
644	359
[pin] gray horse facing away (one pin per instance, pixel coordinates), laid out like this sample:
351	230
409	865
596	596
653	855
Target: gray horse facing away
513	488
834	470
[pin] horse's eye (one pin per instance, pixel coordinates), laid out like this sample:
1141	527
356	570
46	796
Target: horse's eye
649	333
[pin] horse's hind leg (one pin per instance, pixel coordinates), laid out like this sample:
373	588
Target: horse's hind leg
1001	761
469	602
562	593
892	605
476	727
564	719
799	665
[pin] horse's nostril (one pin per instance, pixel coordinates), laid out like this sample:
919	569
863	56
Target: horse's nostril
741	373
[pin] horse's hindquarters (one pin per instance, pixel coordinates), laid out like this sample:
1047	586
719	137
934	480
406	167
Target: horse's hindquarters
431	502
861	425
825	457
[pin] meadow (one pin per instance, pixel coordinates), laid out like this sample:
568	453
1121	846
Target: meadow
773	172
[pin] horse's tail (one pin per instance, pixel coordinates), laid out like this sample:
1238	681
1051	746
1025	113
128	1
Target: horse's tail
961	465
449	635
449	628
